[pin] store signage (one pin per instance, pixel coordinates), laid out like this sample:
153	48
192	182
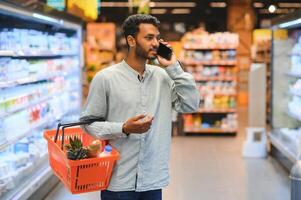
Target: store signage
57	4
83	8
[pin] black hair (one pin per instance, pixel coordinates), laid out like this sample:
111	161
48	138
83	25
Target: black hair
131	25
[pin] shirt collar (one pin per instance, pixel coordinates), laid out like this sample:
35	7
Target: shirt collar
134	72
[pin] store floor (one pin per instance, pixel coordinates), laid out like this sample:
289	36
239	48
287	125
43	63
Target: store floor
211	168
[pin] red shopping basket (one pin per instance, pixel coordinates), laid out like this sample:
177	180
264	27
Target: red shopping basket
78	176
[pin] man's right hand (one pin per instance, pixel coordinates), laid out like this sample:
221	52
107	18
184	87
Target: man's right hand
138	124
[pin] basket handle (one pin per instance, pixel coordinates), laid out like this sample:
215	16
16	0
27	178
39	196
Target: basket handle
84	121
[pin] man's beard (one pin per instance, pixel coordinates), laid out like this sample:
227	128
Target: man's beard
143	54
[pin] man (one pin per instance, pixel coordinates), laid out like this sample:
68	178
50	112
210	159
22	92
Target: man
136	100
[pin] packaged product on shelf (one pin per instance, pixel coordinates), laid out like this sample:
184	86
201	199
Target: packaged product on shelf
9	123
208	101
19	159
2	133
296	87
296	58
292	137
197	121
33	42
206	40
293	107
188	120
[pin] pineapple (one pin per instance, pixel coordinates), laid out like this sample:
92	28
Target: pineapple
75	149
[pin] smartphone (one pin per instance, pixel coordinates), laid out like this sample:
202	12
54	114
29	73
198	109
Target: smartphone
164	51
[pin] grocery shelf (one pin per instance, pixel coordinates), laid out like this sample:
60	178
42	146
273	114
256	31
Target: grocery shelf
210	62
208	130
220	94
6	53
294	75
262	61
215	78
44	123
294	93
30	79
25	106
217	110
263	49
294	54
31	104
58	57
211	47
20	54
40	173
293	115
38	125
282	147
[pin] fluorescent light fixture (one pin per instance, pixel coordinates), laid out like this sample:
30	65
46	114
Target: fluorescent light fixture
151	4
49	19
291	23
278	11
258	5
218	4
180	11
289	5
272	8
114	4
158	11
175	4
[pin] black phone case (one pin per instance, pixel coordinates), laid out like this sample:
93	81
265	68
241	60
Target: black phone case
164	51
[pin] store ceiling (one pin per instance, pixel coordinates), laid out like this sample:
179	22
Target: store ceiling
190	12
212	13
193	12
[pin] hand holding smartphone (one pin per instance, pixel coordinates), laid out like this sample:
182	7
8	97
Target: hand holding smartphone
164	51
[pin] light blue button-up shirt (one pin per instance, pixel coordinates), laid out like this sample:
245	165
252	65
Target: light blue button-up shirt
117	94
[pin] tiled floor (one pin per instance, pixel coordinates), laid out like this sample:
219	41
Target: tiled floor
212	168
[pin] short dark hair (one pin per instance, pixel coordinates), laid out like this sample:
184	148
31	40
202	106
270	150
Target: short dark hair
131	25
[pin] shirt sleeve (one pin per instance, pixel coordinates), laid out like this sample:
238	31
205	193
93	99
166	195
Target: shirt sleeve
185	96
96	107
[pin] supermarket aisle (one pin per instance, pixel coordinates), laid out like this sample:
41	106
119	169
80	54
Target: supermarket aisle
211	168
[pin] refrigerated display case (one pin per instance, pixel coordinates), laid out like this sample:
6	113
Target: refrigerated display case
40	84
286	89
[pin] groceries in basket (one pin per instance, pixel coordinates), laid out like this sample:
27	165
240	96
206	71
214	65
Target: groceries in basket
76	151
81	162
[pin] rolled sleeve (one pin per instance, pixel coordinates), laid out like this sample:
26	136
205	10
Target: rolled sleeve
174	70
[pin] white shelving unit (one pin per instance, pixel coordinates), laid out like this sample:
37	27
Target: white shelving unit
56	94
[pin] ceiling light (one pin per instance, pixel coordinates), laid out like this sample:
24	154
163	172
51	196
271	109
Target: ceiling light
258	5
289	5
114	4
272	8
218	4
49	19
152	4
158	11
176	4
180	11
278	11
